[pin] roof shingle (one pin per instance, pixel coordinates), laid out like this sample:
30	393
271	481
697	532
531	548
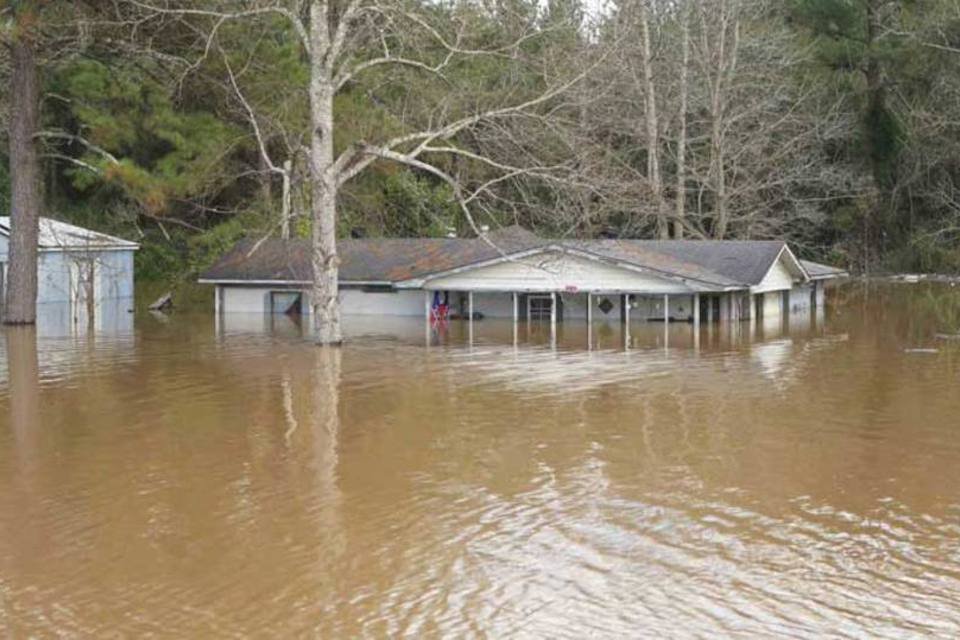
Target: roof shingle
389	260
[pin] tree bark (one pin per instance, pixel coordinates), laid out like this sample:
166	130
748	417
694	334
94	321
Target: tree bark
725	61
876	111
21	290
285	211
653	127
324	300
682	137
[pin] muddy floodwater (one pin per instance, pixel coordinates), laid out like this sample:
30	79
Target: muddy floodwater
176	477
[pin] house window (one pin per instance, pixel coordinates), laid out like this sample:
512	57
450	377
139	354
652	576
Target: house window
286	302
539	307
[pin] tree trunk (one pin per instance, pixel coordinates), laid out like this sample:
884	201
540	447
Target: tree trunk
285	210
725	59
682	137
325	261
653	127
876	113
722	215
21	291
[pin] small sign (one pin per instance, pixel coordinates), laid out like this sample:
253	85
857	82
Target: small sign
571	288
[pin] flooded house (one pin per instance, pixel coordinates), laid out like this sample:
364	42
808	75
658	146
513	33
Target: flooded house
513	273
81	274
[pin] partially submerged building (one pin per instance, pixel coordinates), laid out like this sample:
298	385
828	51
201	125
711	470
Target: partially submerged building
77	269
514	273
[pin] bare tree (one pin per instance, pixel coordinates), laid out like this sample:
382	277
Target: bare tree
652	122
681	196
345	40
718	48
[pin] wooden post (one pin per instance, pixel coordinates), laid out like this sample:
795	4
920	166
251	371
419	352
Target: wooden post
589	320
426	315
626	323
470	312
710	310
666	321
217	305
516	313
553	318
696	321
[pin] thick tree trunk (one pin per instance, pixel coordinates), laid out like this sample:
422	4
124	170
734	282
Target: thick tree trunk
21	290
653	128
325	304
682	137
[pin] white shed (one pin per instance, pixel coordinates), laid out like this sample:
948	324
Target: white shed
76	266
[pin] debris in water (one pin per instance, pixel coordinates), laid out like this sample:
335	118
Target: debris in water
921	350
162	303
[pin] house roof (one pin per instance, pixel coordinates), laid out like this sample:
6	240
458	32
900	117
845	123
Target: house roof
722	264
371	260
55	234
818	271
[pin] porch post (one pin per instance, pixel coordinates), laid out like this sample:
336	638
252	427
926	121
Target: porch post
589	320
696	321
470	311
553	318
426	315
753	312
516	312
626	323
217	294
709	309
666	321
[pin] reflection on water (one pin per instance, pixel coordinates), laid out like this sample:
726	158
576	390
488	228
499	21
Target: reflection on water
188	480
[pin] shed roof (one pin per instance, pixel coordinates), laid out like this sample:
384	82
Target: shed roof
720	263
55	234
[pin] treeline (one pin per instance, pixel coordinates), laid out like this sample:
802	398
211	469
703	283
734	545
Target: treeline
832	123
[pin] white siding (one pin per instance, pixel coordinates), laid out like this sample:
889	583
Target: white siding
245	299
778	278
772	305
353	302
500	305
356	302
555	272
800	296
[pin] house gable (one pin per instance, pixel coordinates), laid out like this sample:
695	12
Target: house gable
554	270
785	271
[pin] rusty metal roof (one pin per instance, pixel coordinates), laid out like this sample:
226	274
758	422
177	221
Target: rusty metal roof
721	263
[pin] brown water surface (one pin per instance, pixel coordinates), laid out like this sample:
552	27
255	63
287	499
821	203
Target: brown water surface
182	480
